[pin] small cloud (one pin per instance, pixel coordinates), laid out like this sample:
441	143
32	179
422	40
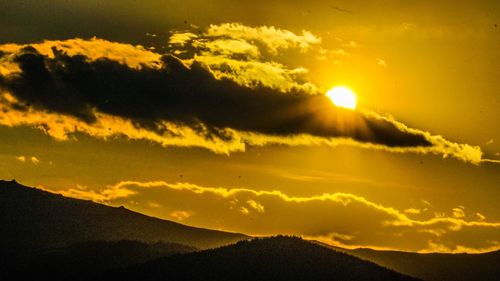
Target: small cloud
439	214
408	26
182	39
339	52
153	205
179	52
340	236
21	158
333	238
351	44
480	216
180	215
436	232
322	54
413	211
305	13
458	212
381	62
457	249
256	205
102	196
244	211
489	142
34	160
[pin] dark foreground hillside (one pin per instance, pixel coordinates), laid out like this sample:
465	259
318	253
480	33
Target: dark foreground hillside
83	261
32	219
277	258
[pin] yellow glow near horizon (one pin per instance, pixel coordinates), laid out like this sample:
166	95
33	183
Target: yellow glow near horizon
342	96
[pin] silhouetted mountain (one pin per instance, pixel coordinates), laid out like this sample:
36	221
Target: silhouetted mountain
277	258
434	266
32	219
82	261
72	239
437	267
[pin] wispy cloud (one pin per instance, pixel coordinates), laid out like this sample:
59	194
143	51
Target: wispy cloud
21	158
246	54
343	219
34	160
180	215
273	38
381	62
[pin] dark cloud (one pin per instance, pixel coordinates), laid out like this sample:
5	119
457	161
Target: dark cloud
74	85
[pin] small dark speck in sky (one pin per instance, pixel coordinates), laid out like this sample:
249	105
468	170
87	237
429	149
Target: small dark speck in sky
342	10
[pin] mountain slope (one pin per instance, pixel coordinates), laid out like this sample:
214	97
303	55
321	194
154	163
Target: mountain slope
33	219
277	258
437	267
432	266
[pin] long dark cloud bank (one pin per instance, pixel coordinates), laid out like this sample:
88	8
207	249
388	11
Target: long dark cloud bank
222	88
77	86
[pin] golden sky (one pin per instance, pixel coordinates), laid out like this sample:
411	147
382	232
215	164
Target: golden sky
214	114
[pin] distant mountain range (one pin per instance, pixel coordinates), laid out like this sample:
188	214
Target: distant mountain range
48	236
433	266
437	267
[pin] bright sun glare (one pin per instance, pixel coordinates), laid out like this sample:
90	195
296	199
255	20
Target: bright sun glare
342	97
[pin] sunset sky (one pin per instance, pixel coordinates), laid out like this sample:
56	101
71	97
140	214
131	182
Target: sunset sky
215	114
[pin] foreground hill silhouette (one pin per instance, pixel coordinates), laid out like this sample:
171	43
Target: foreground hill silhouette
83	261
32	219
276	258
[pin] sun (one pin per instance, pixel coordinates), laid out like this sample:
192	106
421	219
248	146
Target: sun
342	96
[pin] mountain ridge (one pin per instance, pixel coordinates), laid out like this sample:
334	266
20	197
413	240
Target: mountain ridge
39	219
432	266
34	221
273	258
